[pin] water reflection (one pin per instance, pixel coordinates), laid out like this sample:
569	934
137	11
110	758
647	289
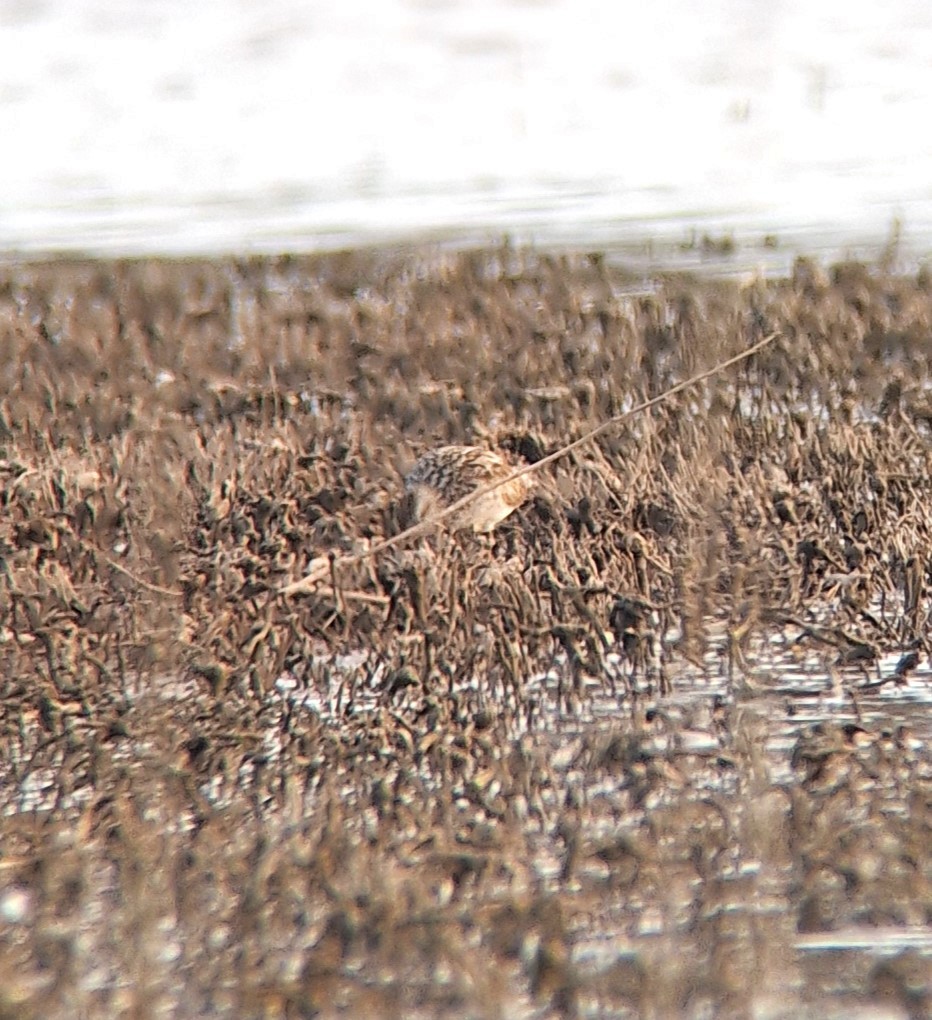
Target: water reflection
292	126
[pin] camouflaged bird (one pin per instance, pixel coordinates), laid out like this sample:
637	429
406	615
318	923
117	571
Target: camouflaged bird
445	475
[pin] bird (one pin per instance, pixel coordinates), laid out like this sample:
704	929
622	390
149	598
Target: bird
444	475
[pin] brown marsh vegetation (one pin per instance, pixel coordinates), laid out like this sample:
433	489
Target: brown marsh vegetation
656	747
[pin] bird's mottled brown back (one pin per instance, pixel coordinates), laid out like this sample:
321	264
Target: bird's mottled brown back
445	475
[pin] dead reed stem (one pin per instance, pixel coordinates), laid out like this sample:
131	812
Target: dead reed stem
327	564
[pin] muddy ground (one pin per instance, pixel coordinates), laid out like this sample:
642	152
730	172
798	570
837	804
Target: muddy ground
658	748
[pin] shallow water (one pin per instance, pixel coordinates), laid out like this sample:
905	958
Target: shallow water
656	132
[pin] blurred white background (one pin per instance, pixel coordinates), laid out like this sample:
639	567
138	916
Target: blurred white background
190	126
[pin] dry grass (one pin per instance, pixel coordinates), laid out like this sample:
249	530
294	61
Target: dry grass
436	831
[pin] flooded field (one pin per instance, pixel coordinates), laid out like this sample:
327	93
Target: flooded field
656	746
727	134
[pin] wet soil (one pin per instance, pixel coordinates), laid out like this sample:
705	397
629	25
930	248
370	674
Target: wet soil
659	746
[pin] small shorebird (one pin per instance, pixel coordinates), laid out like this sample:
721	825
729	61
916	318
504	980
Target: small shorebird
445	475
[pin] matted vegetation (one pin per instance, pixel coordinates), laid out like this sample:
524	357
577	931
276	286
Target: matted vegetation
463	777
